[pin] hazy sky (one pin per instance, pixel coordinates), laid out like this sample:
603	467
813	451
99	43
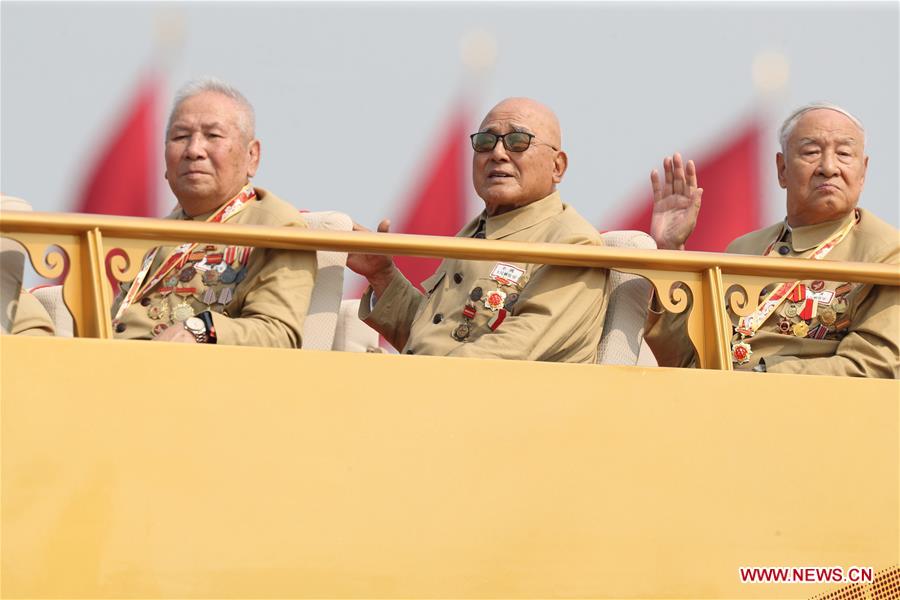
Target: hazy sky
351	97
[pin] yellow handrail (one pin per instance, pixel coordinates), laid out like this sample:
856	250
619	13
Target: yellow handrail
713	280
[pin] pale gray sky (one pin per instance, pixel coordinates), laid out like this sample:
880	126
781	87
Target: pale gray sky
351	97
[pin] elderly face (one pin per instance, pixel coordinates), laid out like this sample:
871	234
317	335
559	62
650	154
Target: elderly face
823	168
506	180
209	158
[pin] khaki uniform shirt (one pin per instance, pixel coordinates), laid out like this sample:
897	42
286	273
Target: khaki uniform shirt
31	317
553	313
268	299
856	329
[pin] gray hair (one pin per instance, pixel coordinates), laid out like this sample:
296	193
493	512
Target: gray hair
788	126
246	117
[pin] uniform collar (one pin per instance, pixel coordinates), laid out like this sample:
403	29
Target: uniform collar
179	215
508	223
806	237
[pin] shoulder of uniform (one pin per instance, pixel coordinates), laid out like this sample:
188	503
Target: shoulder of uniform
269	209
755	241
880	238
569	227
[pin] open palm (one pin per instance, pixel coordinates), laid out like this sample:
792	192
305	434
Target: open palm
676	203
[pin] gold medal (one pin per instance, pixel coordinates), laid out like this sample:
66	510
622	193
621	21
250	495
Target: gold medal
800	329
827	315
183	311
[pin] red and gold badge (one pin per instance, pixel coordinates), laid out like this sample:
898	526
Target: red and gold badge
741	352
494	300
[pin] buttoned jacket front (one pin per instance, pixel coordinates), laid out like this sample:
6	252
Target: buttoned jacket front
554	313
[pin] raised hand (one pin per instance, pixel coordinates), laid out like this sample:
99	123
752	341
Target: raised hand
676	203
377	268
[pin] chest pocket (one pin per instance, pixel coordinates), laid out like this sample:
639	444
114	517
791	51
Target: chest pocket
431	284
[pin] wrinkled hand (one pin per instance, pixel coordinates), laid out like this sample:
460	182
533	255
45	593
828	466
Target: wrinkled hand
377	268
676	203
176	333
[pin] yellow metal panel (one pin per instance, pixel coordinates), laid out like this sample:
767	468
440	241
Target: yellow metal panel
140	469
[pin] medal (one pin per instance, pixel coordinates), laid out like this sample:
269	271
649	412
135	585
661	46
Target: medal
817	286
790	311
209	296
800	329
187	274
228	275
840	305
741	352
158	311
241	275
784	325
183	311
461	332
827	316
210	276
170	282
494	300
225	295
159	328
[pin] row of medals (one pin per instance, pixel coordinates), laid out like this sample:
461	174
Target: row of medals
829	316
494	300
212	275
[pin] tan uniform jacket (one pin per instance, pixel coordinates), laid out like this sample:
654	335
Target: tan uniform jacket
267	306
554	313
856	329
32	317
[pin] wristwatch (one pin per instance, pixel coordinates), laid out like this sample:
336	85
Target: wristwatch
201	327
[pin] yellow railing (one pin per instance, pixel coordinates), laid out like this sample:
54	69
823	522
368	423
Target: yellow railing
87	249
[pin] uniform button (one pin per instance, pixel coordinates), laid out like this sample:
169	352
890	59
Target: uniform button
409	351
437	318
120	327
145	301
457	278
782	250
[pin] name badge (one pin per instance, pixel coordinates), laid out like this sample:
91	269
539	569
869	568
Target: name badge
506	274
824	297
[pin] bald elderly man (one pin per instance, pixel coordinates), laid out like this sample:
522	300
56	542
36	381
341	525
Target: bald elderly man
498	309
809	326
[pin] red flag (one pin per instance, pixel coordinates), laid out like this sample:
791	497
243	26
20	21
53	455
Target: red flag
732	206
438	204
124	177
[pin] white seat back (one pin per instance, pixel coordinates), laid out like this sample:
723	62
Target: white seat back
12	268
51	298
622	341
325	304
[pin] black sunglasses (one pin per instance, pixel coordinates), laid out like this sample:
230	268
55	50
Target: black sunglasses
515	141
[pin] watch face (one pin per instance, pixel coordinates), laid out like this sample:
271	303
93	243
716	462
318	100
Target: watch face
195	325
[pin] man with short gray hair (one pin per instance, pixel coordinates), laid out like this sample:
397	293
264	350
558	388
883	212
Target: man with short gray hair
813	327
213	293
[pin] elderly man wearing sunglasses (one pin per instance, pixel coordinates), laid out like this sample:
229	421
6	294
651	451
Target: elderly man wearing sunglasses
497	309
